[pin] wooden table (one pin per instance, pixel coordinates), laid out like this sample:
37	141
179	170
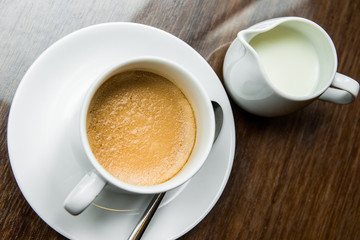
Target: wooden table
294	177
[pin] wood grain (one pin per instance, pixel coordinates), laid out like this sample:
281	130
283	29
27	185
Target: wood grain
294	177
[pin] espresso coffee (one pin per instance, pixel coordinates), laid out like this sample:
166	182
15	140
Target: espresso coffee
141	128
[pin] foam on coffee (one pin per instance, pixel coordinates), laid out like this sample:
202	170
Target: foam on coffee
141	127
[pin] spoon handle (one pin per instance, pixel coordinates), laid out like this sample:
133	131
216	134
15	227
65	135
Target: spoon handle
145	219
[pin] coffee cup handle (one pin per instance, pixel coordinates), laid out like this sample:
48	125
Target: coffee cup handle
343	90
84	193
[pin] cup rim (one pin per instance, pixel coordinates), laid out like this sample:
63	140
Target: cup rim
277	22
151	189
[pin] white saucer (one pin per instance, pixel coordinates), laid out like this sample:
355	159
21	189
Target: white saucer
47	165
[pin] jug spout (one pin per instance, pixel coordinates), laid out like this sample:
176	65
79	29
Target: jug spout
246	35
243	75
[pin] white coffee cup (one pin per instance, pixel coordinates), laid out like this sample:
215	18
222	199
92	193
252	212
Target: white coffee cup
94	181
250	85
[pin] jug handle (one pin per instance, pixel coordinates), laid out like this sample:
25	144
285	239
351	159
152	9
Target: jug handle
343	90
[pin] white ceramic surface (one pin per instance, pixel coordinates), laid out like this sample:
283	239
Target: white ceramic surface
47	164
249	85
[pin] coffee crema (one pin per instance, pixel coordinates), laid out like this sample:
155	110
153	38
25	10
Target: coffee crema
141	128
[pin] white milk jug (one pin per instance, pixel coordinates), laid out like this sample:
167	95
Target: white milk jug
280	65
